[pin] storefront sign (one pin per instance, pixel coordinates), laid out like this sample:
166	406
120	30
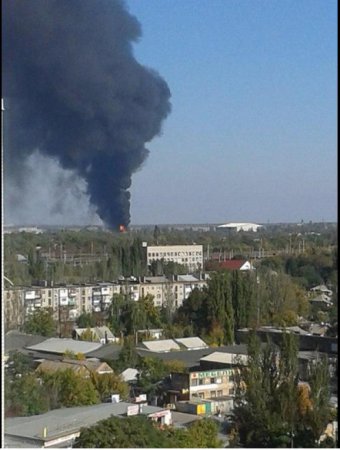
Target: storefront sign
211	373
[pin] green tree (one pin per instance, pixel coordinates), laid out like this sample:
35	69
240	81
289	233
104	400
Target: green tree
271	410
194	311
128	356
88	335
41	322
203	434
110	383
320	412
140	432
151	371
116	314
86	320
25	396
71	389
132	432
18	364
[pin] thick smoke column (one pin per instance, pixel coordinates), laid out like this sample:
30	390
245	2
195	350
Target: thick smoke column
75	92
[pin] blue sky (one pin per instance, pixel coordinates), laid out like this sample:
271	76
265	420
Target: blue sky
252	135
253	131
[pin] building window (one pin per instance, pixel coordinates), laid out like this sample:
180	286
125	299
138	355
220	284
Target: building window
212	380
201	394
219	393
194	382
201	381
213	394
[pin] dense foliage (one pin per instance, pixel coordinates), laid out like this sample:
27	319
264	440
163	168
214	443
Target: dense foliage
235	300
30	392
272	408
41	322
140	432
108	255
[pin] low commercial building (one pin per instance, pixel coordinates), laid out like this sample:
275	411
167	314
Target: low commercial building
208	388
60	427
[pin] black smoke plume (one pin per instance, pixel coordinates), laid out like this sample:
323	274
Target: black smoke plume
75	92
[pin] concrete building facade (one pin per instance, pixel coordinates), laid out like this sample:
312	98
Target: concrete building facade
189	255
74	300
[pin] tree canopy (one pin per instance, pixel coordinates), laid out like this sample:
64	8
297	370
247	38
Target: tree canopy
272	408
41	322
140	432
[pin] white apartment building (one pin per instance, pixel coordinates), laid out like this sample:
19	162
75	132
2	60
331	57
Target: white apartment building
189	255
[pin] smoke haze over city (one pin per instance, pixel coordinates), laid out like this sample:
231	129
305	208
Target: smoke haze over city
75	93
252	135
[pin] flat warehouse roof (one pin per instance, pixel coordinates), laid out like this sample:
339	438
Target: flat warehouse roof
192	342
59	345
165	345
64	421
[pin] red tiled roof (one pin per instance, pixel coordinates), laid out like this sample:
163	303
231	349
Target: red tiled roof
232	264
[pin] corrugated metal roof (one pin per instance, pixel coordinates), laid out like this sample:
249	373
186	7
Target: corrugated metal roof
192	342
191	358
226	358
67	420
60	346
164	345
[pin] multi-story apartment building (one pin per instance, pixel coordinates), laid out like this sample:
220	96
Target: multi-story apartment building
175	289
189	255
76	299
